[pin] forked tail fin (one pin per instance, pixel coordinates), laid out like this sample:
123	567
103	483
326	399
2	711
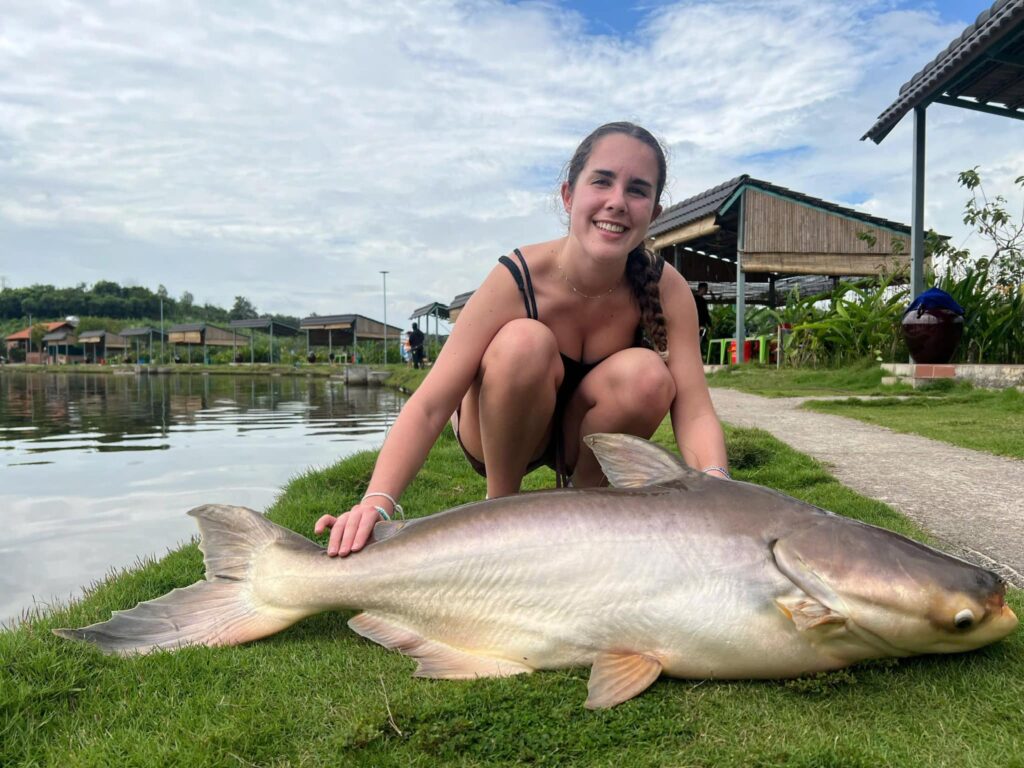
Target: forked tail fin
223	610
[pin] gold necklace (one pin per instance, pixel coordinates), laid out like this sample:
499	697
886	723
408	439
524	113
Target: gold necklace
581	293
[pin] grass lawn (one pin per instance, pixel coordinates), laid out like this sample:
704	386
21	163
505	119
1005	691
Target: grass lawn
984	420
862	379
317	694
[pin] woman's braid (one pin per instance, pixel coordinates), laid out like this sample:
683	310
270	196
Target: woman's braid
643	269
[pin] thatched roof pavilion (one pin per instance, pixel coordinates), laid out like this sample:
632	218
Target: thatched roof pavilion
981	70
201	334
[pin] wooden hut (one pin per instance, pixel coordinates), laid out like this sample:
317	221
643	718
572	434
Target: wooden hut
749	233
97	346
456	305
63	336
23	339
200	334
148	333
344	332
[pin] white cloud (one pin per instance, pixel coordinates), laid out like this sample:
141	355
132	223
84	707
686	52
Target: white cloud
287	152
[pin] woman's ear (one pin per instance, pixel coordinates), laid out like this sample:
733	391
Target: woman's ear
566	196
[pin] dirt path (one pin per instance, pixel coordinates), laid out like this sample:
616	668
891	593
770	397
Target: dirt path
972	501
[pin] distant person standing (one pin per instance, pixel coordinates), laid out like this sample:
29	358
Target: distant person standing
703	315
416	346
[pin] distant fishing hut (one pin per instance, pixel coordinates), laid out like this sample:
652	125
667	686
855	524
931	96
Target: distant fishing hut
101	344
265	325
200	334
344	332
435	310
140	333
63	336
752	241
23	340
456	305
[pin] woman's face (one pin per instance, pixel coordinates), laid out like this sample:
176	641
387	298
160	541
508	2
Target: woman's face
613	200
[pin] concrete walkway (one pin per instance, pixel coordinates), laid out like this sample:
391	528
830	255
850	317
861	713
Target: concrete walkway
972	502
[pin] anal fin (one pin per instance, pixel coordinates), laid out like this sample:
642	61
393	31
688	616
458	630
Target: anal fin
618	677
436	659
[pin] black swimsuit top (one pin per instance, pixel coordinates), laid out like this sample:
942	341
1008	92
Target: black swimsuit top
578	368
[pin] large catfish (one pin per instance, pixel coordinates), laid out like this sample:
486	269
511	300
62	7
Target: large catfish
668	572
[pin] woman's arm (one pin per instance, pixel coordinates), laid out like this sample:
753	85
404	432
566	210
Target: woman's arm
697	429
421	420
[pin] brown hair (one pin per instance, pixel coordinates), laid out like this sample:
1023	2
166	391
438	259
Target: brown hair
643	268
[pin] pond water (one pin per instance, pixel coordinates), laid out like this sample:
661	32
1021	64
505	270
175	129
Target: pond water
98	470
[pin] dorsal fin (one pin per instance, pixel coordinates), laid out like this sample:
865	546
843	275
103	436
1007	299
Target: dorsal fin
632	462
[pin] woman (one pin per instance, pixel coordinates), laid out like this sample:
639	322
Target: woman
550	348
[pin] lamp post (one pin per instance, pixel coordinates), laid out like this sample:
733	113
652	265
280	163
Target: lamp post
384	277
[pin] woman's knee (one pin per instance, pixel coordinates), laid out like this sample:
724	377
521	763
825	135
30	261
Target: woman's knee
644	384
523	350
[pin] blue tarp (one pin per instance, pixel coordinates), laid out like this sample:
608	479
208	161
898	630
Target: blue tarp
934	298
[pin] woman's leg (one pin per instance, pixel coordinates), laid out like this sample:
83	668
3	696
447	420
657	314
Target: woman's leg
505	418
630	392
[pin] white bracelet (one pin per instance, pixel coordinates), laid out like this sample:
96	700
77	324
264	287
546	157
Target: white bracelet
396	508
723	470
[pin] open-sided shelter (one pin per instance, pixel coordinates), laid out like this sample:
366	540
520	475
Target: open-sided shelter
99	345
751	234
65	337
144	332
982	70
268	326
435	310
200	334
344	332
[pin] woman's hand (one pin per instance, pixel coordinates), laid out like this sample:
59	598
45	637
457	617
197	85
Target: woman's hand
350	531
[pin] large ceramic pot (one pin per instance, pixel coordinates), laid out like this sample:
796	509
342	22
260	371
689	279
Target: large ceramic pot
932	334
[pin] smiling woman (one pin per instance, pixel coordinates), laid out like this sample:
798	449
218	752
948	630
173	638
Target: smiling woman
584	334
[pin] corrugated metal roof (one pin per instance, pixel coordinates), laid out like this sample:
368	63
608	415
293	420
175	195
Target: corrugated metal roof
460	301
711	200
280	329
144	330
989	78
434	308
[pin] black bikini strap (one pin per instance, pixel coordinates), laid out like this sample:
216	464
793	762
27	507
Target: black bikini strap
526	288
529	283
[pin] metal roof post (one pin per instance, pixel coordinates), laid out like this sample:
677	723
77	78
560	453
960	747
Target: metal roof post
741	299
917	206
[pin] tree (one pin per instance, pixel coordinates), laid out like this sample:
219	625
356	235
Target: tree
186	301
996	225
242	309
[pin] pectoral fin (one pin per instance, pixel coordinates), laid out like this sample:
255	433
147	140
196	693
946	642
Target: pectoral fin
808	613
618	677
436	659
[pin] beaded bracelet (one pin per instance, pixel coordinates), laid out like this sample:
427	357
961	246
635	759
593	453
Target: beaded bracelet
723	470
396	508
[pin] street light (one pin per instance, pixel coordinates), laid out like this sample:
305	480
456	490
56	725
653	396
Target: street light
384	277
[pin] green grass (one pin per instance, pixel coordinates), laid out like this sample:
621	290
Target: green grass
317	694
984	420
863	378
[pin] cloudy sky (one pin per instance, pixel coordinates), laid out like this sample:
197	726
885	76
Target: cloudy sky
289	151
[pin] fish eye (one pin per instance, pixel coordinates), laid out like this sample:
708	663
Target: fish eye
964	619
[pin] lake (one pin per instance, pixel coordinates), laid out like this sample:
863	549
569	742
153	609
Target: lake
99	470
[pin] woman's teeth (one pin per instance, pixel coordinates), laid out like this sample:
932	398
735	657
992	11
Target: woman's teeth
609	227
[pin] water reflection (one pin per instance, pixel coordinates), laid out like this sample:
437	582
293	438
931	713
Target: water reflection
98	470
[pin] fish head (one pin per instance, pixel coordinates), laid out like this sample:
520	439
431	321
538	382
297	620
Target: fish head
893	595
